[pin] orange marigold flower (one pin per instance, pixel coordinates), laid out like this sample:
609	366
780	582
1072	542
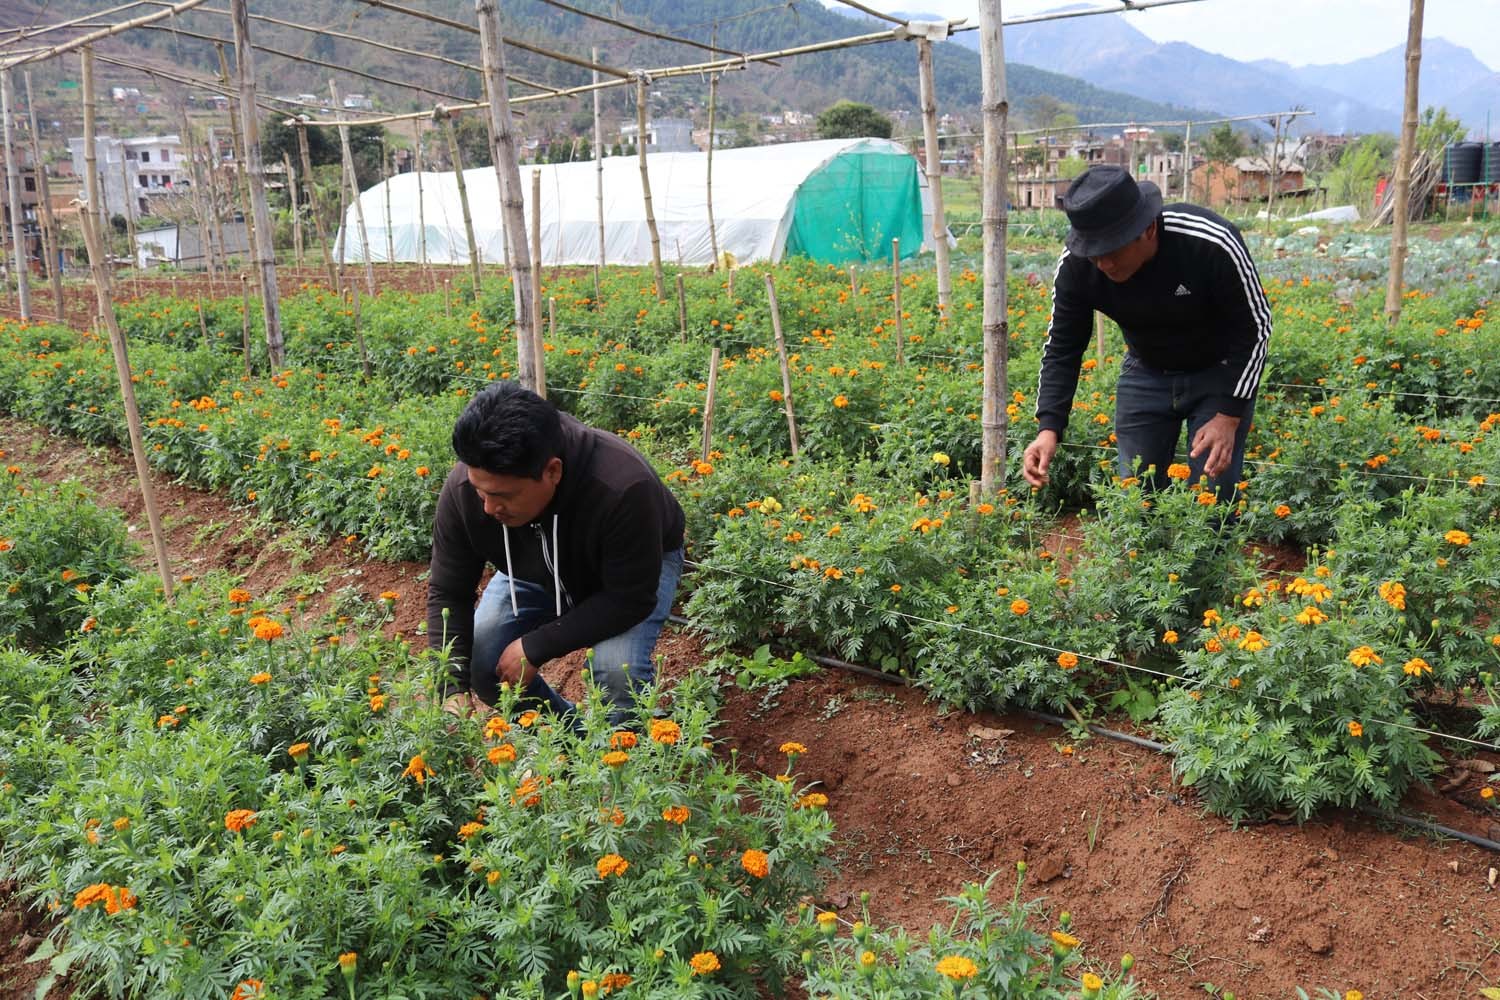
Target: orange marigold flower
389	595
502	754
418	770
1456	537
841	401
269	630
623	740
1416	667
1020	606
611	864
495	727
298	750
1394	594
813	800
665	731
791	747
468	830
1067	660
609	982
377	701
1356	730
248	989
528	718
675	814
237	820
167	720
261	678
1170	637
615	758
1363	656
756	863
1178	471
1282	510
238	596
704	963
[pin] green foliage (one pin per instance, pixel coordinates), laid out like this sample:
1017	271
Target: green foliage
849	120
1223	144
55	547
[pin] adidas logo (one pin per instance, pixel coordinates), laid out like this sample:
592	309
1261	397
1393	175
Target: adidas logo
1182	290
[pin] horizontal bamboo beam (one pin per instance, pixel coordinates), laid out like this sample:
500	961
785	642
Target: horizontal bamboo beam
23	34
94	36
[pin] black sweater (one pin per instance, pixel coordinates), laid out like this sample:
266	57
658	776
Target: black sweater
1196	303
615	520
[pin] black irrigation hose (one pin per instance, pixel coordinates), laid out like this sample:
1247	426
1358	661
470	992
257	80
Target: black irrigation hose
1426	826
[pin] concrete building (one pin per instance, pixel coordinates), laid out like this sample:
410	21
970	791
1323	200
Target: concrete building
663	135
29	199
135	173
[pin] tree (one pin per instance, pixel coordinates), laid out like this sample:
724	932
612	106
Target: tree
848	120
1172	142
1223	145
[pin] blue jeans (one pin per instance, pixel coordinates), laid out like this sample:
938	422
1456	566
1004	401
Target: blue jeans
622	663
1151	407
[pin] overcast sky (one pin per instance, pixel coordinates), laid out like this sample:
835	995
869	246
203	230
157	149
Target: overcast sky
1295	31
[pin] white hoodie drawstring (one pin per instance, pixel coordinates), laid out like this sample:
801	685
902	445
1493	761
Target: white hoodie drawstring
556	561
510	575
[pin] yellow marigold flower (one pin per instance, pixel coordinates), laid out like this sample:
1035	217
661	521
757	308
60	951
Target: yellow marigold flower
1067	660
615	758
941	458
418	770
260	678
1020	606
665	731
1353	995
1170	637
1356	730
1253	642
298	750
704	963
756	863
1416	667
611	864
792	748
1394	594
957	967
1311	615
377	702
813	800
589	989
238	820
676	814
1363	656
1456	537
348	962
468	830
1178	471
1092	982
528	718
1211	617
492	877
827	920
1486	793
121	823
841	401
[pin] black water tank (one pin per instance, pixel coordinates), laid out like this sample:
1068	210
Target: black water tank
1492	167
1461	162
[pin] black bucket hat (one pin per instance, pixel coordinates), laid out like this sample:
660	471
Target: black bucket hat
1108	209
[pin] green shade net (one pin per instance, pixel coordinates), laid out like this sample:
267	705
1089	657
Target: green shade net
853	206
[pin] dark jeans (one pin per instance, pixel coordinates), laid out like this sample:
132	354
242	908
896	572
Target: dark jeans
622	663
1151	407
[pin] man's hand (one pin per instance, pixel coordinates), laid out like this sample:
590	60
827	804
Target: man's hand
513	667
1038	457
1217	438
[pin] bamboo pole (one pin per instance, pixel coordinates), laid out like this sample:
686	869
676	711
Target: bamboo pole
416	145
216	224
1401	206
598	174
359	337
84	40
130	196
352	179
536	264
95	245
385	175
245	323
713	103
237	135
463	199
44	195
933	167
508	173
291	193
786	368
708	403
896	298
658	277
994	106
1275	171
312	204
13	183
681	310
204	247
255	176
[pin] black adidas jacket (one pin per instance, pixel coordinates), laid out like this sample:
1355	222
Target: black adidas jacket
1198	302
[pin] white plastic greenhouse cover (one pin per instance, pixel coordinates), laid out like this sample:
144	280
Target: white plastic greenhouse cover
754	194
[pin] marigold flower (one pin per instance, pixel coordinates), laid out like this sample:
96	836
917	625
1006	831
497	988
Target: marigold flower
1211	617
676	814
1394	594
833	573
1486	793
260	678
665	731
502	754
298	750
248	989
528	718
1170	637
1207	499
1214	646
495	727
238	596
167	720
238	820
469	829
704	963
1067	660
1064	941
1020	606
1356	730
615	758
389	595
957	967
1178	471
349	962
1416	667
841	401
1363	656
623	740
1353	995
1456	537
1092	982
1253	642
756	863
813	800
941	458
1282	511
612	981
269	630
418	770
791	747
377	702
611	864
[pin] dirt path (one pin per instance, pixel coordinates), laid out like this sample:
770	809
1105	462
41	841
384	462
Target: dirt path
926	801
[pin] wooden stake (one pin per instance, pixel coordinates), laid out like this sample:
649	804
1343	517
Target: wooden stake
456	157
1099	335
265	250
853	282
13	182
536	264
352	180
713	101
130	196
596	288
312	204
245	323
359	338
934	170
241	157
896	297
385	176
658	277
786	368
681	310
416	145
95	245
994	106
291	192
598	174
508	173
49	223
1401	205
216	225
708	402
204	248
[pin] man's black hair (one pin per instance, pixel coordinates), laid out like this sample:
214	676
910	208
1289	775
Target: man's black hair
508	431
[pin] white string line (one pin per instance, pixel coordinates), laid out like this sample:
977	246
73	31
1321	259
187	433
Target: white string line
956	626
1379	392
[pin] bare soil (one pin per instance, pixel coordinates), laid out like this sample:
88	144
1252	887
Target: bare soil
926	801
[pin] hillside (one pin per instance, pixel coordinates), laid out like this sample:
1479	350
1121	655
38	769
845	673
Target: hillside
882	75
